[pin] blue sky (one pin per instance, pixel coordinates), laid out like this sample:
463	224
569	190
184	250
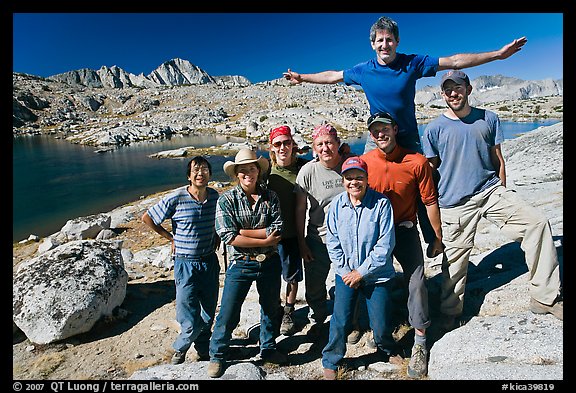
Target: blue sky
260	46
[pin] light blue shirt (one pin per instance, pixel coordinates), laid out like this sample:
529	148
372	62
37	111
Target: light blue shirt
361	237
463	146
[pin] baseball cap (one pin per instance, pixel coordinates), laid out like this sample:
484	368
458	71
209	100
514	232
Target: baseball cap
354	163
382	117
456	76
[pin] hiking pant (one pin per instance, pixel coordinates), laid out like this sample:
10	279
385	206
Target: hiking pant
315	275
517	220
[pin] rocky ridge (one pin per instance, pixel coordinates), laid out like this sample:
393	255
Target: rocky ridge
110	107
175	72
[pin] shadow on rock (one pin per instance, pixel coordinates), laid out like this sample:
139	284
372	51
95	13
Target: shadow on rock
141	300
495	270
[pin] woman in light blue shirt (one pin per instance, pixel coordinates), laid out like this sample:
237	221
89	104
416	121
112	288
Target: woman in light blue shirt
360	239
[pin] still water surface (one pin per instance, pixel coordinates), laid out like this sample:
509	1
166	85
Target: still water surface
54	180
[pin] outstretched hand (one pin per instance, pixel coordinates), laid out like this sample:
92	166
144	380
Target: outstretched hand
292	76
513	47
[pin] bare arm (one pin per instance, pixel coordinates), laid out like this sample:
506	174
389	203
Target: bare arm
324	77
433	212
498	162
159	229
301	203
466	60
432	208
255	233
246	241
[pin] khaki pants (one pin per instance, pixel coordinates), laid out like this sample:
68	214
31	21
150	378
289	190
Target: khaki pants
517	220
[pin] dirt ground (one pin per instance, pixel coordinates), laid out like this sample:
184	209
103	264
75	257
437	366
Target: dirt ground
141	333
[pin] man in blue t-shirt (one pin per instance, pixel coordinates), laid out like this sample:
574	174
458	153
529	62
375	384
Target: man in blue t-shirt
191	210
389	82
464	144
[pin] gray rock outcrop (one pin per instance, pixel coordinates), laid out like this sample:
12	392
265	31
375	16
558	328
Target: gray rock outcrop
505	347
243	371
85	227
65	291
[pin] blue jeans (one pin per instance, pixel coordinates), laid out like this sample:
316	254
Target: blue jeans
408	253
197	286
378	302
239	277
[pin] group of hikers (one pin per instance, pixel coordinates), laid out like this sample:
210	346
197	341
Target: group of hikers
292	219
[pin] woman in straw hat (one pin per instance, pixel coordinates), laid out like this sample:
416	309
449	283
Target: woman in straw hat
248	221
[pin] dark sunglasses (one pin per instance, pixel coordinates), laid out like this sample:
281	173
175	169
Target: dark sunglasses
286	143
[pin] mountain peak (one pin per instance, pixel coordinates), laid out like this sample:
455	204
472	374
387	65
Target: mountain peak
173	72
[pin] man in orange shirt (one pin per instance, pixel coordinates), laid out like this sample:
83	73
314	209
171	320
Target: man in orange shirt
404	176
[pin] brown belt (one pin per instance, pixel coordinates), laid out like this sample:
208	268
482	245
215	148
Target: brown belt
259	257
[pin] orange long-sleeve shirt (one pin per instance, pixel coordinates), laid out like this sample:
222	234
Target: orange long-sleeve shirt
401	175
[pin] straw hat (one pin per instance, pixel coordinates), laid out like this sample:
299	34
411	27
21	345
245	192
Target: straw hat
245	156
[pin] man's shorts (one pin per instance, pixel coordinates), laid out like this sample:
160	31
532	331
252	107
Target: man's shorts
291	260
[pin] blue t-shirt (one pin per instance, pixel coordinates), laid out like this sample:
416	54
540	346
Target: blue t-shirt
392	88
463	146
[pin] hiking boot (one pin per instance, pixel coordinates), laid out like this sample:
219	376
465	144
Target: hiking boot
418	365
556	309
275	357
178	357
354	337
215	369
288	327
329	375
